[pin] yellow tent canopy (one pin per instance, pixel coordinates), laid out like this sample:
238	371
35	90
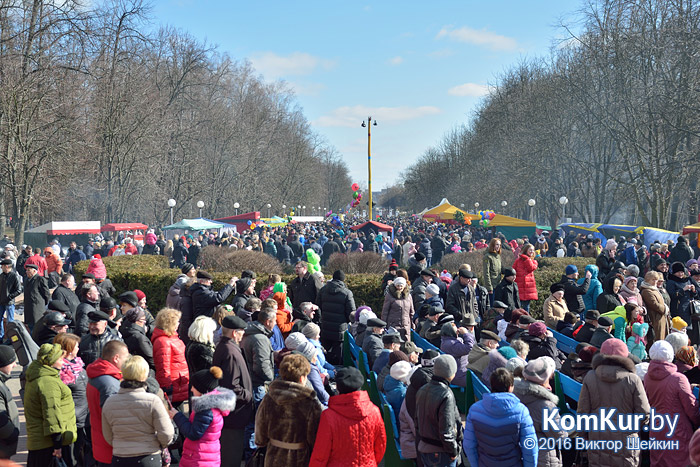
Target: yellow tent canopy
445	211
501	220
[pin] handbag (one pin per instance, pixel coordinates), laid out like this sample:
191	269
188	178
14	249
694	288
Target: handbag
258	458
57	462
695	309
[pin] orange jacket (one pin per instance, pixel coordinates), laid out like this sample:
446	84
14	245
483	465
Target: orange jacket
53	262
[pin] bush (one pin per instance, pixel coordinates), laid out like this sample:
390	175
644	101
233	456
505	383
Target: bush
214	258
550	271
475	259
357	263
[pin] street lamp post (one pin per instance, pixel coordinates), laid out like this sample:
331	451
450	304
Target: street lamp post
504	203
171	205
531	203
476	207
284	210
563	201
369	161
200	205
236	205
303	209
268	210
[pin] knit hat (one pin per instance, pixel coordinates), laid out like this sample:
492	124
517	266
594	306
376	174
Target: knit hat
348	379
49	354
509	272
397	356
393	266
139	294
678	324
586	354
399	281
677	340
641	369
445	366
515	362
311	331
539	370
686	355
206	380
629	279
400	371
433	289
187	267
677	267
571	269
508	352
690	262
129	297
294	339
307	349
614	347
339	276
537	329
7	355
556	287
419	256
662	351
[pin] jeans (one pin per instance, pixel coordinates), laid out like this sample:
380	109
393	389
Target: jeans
437	459
10	309
525	304
258	394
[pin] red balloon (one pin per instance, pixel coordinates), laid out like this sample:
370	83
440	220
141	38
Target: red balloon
355	187
492	215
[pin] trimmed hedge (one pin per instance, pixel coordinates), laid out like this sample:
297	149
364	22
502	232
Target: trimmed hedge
151	274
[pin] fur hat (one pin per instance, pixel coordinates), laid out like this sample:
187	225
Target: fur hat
677	267
397	356
206	380
556	287
614	347
662	351
445	366
539	370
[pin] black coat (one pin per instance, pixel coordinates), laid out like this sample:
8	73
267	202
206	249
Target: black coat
137	342
284	254
458	304
605	263
199	356
337	304
68	297
303	290
297	249
205	300
180	253
10	287
78	391
185	307
573	294
437	418
9	420
36	296
329	248
81	316
507	293
546	347
229	358
91	346
585	333
680	298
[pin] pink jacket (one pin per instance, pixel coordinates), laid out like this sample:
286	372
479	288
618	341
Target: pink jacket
212	407
669	393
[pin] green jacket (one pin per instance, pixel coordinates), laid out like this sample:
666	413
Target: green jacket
48	408
492	271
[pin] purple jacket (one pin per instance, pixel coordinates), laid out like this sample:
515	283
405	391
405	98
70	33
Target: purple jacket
459	348
670	393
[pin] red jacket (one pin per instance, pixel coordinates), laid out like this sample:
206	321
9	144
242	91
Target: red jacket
525	277
171	366
40	264
130	249
103	382
351	433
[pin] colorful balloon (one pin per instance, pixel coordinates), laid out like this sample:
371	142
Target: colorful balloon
249	222
359	197
252	227
355	195
355	187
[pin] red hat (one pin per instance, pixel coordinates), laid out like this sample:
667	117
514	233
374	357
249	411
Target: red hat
139	294
393	266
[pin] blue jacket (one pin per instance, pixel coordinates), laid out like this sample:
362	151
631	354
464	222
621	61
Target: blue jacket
496	430
595	288
630	255
323	366
395	393
317	383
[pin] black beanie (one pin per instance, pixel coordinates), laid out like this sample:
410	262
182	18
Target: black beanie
339	275
677	267
206	380
348	379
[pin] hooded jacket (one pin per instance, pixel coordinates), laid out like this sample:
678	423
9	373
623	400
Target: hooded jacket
257	350
103	382
608	300
289	413
350	434
398	310
171	365
612	383
137	342
74	376
669	392
205	300
203	429
496	429
573	293
9	420
595	288
337	303
48	408
680	298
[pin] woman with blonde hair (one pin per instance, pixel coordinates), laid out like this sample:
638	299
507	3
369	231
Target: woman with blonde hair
199	351
657	310
221	312
169	356
492	267
135	422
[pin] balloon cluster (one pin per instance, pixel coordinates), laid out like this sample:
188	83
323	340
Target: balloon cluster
252	225
356	195
486	216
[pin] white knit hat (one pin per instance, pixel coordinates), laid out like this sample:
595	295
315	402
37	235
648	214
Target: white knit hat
294	339
661	350
641	369
365	315
400	371
677	340
515	362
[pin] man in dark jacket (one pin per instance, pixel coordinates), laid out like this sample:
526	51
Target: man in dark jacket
585	333
602	332
9	415
437	420
461	300
420	377
284	252
229	358
133	330
606	259
426	249
93	343
180	253
681	252
372	344
329	248
304	288
10	288
438	245
573	293
64	293
297	249
337	304
21	259
507	292
245	290
89	303
36	296
54	324
204	299
418	288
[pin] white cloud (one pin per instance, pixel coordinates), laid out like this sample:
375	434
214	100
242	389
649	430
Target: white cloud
469	90
351	116
478	37
307	89
398	60
274	66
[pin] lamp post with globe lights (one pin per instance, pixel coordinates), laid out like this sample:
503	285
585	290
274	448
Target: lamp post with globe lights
284	210
268	210
476	207
200	205
563	201
236	205
504	203
171	205
531	203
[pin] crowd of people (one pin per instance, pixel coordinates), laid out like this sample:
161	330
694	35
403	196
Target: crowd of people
221	376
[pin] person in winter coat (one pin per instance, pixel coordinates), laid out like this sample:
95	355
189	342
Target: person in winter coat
606	258
396	383
555	306
199	351
9	414
542	344
65	293
48	408
210	404
507	291
525	267
180	253
305	287
653	301
186	307
135	422
351	431
89	302
669	392
10	288
492	267
535	392
173	299
288	417
36	296
74	376
204	299
681	289
245	290
457	342
610	298
573	293
425	248
284	312
630	291
622	318
336	303
93	343
498	426
398	310
302	346
595	288
636	343
612	383
681	252
479	355
461	300
133	330
169	356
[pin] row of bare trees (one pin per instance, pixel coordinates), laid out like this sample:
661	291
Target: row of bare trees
610	120
102	118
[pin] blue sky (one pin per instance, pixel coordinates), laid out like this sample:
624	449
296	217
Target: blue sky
419	69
